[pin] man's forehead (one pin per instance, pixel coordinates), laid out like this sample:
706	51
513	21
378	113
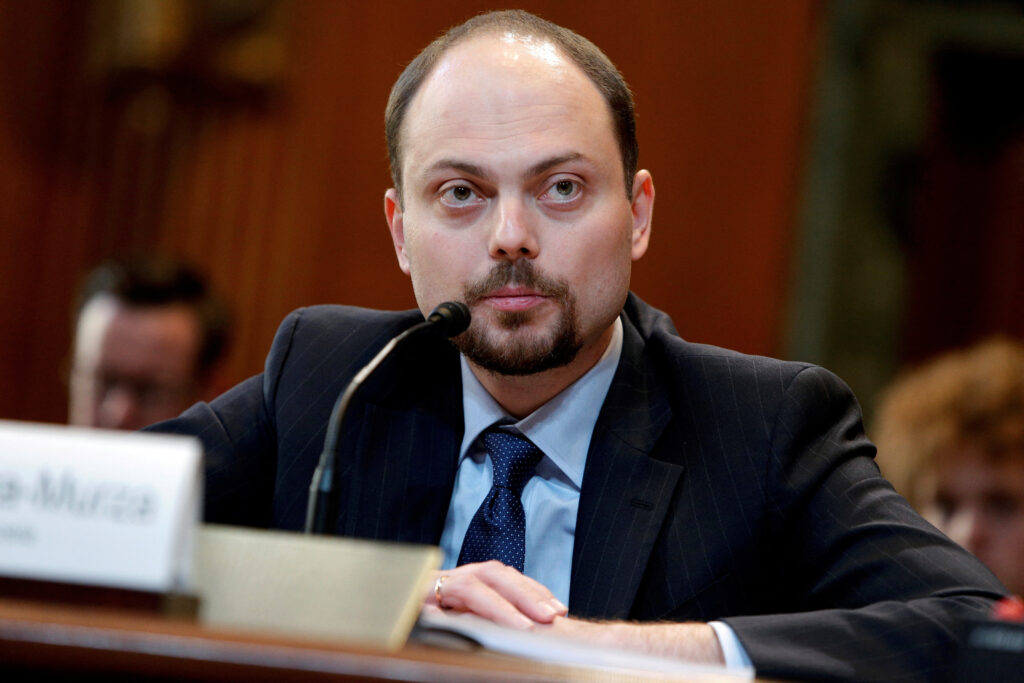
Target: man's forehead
500	89
513	45
469	63
509	45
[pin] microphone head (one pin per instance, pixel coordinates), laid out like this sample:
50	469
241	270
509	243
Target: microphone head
450	318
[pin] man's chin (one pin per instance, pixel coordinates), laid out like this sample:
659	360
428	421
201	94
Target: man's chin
518	352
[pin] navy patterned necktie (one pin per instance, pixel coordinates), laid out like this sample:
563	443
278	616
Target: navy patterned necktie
498	529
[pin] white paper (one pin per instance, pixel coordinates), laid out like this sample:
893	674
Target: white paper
97	507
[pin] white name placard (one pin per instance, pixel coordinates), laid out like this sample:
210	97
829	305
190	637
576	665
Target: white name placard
98	507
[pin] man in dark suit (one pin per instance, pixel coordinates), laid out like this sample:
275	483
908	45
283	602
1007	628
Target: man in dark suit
730	502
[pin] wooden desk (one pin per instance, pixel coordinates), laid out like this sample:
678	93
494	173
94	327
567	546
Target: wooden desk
73	643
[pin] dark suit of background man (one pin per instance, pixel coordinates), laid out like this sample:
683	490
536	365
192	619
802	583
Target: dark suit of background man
681	484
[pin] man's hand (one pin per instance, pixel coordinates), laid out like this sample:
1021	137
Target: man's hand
505	596
693	642
497	592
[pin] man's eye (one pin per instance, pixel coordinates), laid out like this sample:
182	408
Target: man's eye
1002	506
565	187
944	507
457	195
563	190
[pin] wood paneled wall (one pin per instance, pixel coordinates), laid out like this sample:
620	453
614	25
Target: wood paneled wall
279	199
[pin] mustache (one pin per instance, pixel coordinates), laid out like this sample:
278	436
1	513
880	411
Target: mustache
521	272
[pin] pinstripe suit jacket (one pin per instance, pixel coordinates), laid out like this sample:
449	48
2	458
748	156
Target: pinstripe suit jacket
717	486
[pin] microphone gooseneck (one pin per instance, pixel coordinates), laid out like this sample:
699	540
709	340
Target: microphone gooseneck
448	319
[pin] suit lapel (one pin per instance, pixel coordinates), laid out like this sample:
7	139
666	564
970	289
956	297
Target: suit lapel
626	493
406	450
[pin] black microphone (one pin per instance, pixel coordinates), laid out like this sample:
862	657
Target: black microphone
448	319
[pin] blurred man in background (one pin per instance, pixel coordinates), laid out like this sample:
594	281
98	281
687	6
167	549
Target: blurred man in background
148	336
950	437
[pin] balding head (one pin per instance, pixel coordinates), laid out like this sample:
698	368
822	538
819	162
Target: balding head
587	56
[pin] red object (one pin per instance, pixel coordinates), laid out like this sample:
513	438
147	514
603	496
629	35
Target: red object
1009	609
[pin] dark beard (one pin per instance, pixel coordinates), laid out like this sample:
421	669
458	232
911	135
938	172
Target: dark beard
530	356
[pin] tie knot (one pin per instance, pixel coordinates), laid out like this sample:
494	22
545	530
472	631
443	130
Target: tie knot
513	457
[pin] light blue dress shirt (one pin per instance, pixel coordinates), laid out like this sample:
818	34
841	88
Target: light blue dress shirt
561	429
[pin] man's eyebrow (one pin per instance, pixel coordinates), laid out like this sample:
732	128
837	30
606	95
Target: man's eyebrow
464	166
479	171
547	164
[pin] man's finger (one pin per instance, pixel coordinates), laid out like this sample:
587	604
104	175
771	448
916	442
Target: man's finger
529	596
497	592
472	595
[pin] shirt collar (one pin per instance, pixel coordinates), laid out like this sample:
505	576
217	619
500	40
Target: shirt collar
562	427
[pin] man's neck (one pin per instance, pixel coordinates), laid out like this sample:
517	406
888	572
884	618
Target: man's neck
520	395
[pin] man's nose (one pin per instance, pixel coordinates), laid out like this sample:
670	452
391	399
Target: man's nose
120	409
969	529
514	235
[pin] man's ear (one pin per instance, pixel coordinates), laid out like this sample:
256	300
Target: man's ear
643	210
393	214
